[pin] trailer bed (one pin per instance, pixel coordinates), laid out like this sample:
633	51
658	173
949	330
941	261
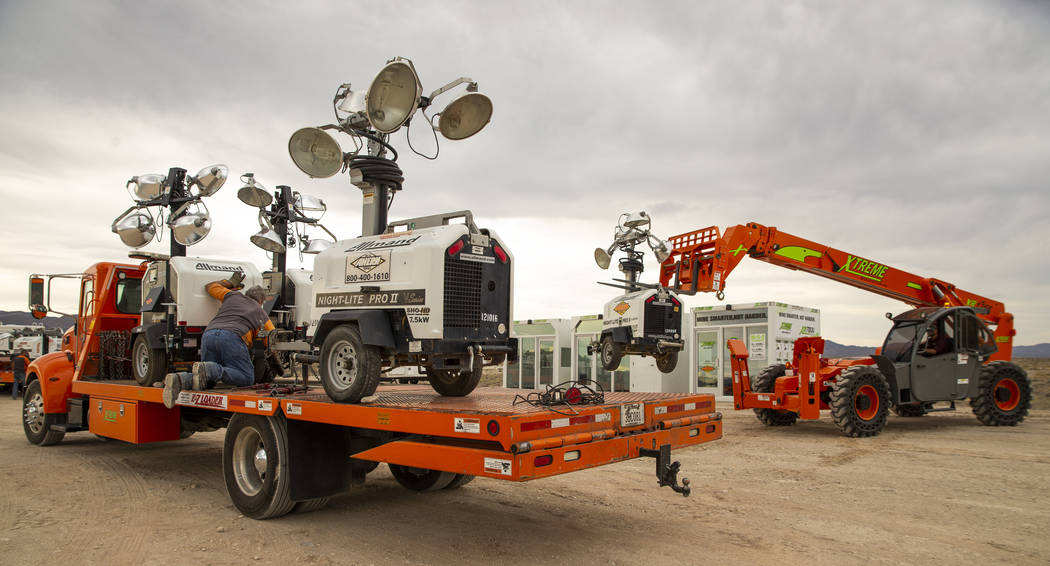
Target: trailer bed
485	433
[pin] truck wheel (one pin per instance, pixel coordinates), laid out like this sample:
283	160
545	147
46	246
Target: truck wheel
421	479
1004	394
611	353
35	422
667	362
255	466
860	401
454	382
310	505
459	481
149	365
349	368
910	410
765	382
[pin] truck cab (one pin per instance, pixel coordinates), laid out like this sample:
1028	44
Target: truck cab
919	374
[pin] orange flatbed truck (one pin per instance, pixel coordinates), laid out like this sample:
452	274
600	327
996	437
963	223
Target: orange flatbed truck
289	447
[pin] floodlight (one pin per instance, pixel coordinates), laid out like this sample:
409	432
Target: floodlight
393	96
191	228
662	249
148	187
309	203
602	258
135	229
465	116
637	220
253	193
268	240
315	153
316	246
210	179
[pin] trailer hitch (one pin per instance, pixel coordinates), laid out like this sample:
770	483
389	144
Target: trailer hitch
666	470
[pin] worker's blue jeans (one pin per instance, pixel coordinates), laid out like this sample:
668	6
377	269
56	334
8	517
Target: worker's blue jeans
228	358
16	384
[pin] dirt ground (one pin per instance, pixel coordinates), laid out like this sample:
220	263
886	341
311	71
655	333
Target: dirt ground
938	488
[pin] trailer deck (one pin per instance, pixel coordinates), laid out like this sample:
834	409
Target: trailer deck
486	433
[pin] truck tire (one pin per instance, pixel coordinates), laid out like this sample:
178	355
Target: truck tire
454	382
910	410
611	353
1004	394
310	505
459	481
35	422
667	362
349	368
765	382
148	365
255	466
421	479
860	401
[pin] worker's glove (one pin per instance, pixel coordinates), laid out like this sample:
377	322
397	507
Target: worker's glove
275	363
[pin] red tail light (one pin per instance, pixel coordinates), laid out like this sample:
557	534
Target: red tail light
502	255
573	395
493	428
544	460
194	329
182	323
455	248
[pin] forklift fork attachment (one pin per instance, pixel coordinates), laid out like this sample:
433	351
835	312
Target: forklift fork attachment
667	471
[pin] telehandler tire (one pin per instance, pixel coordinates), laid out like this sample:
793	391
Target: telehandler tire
349	367
35	422
1004	394
667	362
421	479
764	382
255	465
611	353
454	382
860	401
148	365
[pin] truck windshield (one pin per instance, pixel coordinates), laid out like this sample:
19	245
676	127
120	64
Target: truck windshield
899	342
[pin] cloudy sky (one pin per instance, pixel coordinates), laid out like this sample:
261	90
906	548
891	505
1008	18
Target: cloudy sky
913	133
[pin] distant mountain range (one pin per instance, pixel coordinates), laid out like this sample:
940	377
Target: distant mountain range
17	317
835	350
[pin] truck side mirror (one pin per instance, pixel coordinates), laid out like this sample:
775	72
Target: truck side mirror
36	297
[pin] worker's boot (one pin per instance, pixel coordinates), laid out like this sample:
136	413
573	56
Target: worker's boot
174	383
201	372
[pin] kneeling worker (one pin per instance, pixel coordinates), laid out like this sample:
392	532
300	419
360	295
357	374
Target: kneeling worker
226	341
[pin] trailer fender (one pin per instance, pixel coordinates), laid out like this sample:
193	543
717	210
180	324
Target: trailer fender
620	334
54	371
374	326
154	334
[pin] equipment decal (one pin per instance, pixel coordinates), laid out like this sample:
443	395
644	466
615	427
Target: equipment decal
468	426
203	400
497	466
368	267
294	408
622	308
477	258
372	298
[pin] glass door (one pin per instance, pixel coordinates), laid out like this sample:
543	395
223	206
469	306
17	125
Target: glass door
727	367
707	361
546	369
528	362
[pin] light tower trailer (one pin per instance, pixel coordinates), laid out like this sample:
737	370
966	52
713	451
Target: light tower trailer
290	447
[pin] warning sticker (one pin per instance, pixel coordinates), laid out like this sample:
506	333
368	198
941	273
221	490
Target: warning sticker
367	267
497	466
265	405
963	359
294	408
468	426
